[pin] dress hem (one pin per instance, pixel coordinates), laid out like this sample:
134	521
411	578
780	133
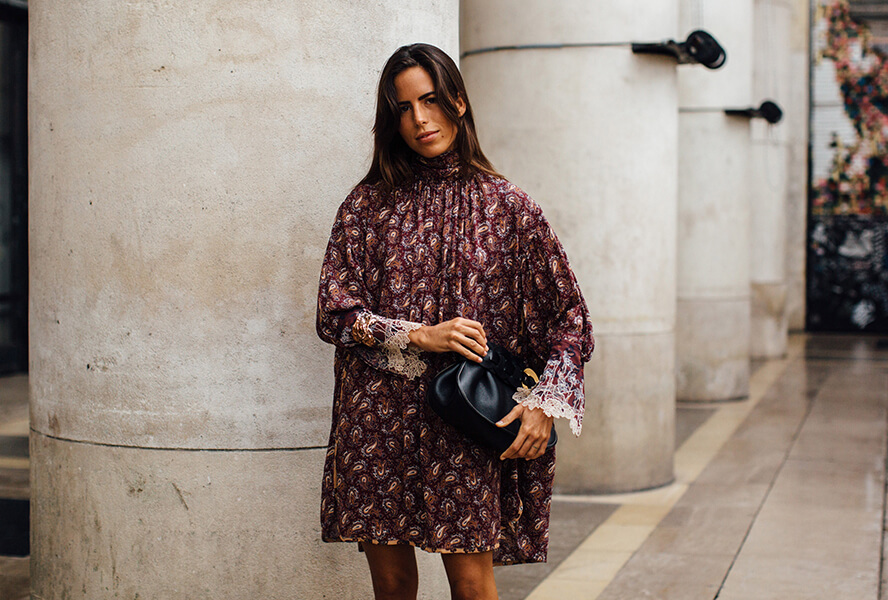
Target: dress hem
429	549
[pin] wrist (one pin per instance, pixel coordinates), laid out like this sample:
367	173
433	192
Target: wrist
416	336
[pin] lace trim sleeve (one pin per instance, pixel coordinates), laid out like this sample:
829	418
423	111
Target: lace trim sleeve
387	344
559	392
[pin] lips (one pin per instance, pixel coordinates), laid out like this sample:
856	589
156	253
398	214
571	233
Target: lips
426	137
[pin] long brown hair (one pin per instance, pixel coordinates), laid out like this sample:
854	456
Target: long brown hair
391	155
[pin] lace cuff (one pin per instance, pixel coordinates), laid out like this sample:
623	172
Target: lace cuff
559	392
387	344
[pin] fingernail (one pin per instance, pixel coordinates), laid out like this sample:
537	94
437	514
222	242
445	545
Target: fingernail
499	423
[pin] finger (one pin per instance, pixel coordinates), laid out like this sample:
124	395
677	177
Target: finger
469	322
515	413
521	446
544	447
511	451
460	349
531	445
544	441
477	337
478	348
471	340
526	448
541	447
535	440
462	344
514	451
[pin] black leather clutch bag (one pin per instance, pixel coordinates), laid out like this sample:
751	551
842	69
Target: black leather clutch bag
472	397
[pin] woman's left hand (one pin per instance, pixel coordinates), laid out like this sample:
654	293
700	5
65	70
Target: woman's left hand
533	435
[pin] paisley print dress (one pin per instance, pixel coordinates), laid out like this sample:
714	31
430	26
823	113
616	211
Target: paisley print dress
437	248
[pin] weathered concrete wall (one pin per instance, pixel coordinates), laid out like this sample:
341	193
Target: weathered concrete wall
713	257
591	134
713	205
186	164
768	198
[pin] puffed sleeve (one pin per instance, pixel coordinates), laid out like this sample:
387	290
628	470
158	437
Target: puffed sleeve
556	320
345	314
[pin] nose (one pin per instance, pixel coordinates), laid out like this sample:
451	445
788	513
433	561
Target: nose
420	116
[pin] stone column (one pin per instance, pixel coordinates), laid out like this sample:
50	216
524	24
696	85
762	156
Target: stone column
771	80
712	329
797	115
186	163
591	134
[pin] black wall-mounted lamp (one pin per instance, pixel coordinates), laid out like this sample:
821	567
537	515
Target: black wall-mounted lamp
769	111
700	47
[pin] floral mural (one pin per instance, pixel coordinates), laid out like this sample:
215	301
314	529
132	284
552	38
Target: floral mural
848	225
858	183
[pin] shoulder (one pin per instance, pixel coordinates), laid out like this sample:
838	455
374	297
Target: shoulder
526	213
359	203
361	197
515	198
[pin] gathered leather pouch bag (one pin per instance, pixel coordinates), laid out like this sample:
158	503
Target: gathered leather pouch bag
472	397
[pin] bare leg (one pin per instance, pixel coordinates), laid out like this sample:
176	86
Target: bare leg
470	576
393	570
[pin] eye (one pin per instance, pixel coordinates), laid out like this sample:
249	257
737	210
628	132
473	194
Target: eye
431	100
403	108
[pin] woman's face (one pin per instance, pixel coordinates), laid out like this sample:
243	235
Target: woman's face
424	126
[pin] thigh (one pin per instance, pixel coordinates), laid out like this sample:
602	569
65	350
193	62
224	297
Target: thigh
393	570
470	575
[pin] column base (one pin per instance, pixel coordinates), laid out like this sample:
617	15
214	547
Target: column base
629	429
712	349
769	326
112	522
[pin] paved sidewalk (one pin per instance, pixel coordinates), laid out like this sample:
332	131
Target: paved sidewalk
780	496
14	484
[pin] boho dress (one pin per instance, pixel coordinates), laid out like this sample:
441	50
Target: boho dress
439	247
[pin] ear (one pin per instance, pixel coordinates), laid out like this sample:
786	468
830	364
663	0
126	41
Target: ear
460	105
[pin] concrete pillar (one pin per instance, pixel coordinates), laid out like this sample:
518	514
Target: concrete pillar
186	163
796	116
591	134
712	325
767	267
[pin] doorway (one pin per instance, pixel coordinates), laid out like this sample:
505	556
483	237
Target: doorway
13	186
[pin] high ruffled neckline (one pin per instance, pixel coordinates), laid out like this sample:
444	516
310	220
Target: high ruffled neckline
443	166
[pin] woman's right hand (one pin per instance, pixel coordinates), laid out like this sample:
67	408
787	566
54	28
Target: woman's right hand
463	336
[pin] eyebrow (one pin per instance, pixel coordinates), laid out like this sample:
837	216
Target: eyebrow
423	97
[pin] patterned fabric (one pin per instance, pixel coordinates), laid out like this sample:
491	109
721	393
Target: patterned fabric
556	392
440	247
390	335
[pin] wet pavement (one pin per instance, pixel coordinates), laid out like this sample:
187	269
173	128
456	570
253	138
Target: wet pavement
780	496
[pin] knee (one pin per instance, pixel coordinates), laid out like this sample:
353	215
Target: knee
470	589
395	584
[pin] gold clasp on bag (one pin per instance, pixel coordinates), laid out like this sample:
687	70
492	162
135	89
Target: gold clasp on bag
532	376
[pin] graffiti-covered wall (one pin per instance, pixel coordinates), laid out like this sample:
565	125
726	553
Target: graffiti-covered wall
848	224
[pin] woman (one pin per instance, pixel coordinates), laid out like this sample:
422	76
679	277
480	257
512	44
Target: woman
431	256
